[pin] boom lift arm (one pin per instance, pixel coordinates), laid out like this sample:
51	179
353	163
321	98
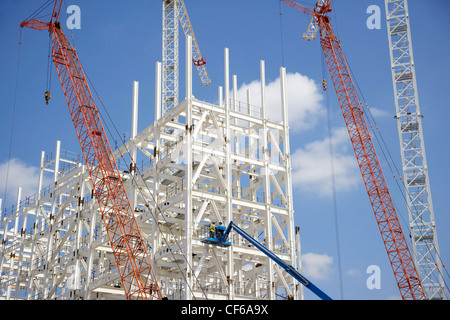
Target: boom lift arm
389	226
128	246
288	268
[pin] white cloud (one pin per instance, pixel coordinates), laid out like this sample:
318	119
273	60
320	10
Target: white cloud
378	113
316	266
354	272
311	165
303	99
20	175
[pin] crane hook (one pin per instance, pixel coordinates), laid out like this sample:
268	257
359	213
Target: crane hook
324	85
48	96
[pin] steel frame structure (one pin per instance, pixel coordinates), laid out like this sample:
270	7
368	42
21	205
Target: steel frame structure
415	171
215	162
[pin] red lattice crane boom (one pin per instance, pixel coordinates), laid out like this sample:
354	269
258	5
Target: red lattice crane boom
130	252
389	226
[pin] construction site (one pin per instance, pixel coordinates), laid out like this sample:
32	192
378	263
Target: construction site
198	204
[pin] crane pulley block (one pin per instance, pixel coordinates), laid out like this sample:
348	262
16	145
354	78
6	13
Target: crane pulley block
47	96
200	62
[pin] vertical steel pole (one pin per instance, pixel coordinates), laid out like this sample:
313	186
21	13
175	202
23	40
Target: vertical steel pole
229	172
266	170
287	165
134	130
158	92
188	168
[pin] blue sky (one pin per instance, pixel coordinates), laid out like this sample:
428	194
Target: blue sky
120	42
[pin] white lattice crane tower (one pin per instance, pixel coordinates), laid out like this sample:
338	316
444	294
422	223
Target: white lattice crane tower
175	15
412	145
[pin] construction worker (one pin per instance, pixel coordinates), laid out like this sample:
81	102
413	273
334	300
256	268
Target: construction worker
212	230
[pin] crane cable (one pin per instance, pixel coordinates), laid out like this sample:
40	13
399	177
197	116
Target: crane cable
39	10
31	16
13	116
333	180
49	65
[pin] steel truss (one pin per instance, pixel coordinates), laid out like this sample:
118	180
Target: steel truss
175	15
170	61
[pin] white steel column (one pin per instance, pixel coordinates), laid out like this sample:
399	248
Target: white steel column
287	162
14	236
23	232
48	275
266	172
36	228
227	76
91	253
76	282
229	173
188	169
299	259
158	93
134	130
220	96
156	158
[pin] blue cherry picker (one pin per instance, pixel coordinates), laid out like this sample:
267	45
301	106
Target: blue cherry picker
221	239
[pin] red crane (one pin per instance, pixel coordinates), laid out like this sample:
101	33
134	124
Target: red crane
402	263
130	252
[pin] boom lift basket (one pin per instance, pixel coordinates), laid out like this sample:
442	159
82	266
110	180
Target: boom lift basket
218	238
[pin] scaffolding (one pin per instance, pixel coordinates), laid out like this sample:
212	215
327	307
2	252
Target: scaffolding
198	162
